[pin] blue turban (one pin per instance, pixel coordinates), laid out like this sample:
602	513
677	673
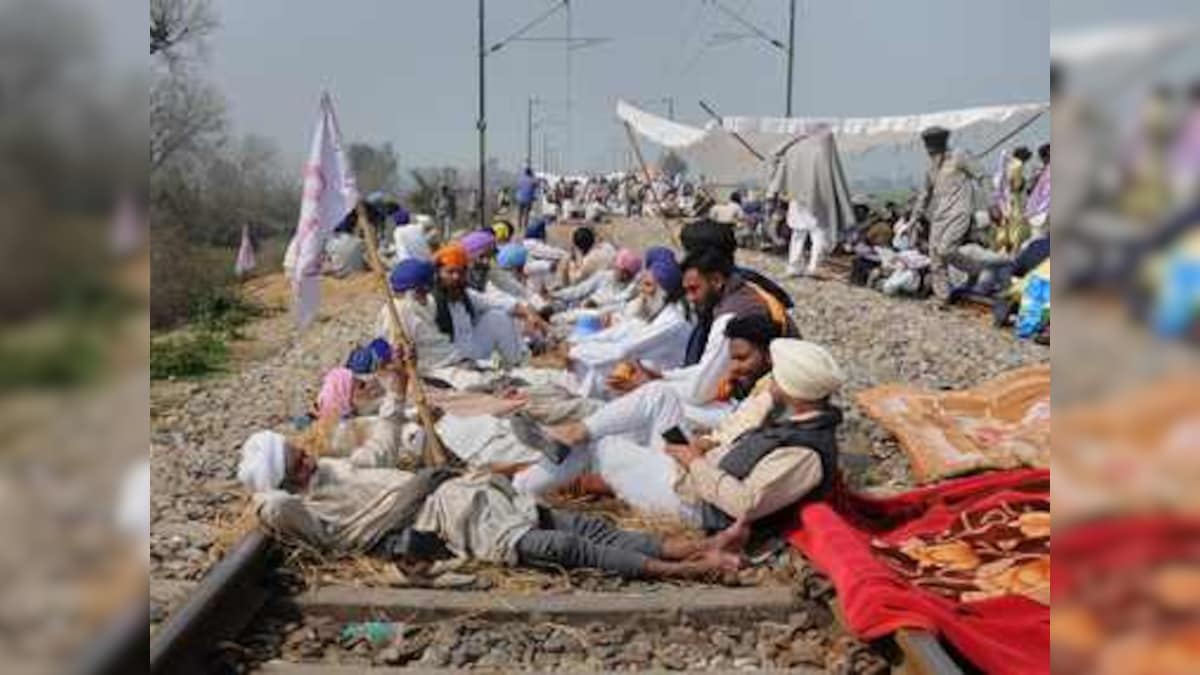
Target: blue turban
656	253
381	349
512	256
666	274
411	273
536	229
361	361
401	215
366	360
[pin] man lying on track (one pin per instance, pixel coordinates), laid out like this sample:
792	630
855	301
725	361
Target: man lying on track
335	507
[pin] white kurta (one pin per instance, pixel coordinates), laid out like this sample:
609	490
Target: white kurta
434	348
479	516
804	227
492	330
350	509
659	345
602	289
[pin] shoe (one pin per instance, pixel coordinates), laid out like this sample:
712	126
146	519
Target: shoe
532	435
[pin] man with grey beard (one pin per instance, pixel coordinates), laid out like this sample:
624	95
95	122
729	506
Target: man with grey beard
652	330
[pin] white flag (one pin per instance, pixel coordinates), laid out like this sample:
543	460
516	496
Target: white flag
329	193
246	260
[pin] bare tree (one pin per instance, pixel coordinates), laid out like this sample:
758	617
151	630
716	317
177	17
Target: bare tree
184	111
177	25
377	168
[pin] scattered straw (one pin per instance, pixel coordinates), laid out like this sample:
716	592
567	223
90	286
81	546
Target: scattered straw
232	526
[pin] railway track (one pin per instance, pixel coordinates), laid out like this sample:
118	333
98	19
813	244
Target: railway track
236	590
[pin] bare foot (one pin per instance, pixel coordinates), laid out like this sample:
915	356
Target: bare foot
721	562
733	538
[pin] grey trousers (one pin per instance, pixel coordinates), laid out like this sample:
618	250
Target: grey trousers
970	258
570	540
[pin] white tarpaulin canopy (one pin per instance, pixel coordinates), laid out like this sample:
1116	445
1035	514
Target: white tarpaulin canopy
714	152
1097	45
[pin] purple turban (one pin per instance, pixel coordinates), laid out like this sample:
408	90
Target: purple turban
667	275
655	253
478	243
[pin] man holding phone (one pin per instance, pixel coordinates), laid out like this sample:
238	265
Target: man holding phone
620	441
762	474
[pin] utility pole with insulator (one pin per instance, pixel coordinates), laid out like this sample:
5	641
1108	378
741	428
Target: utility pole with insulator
529	132
791	53
481	124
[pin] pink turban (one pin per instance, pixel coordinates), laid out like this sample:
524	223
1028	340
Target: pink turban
629	261
336	393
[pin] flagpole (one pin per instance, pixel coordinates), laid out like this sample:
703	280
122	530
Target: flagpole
434	453
637	152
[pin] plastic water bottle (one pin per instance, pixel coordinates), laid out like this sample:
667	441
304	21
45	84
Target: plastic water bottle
376	633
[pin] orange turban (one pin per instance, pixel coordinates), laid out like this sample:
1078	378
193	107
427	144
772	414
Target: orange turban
451	255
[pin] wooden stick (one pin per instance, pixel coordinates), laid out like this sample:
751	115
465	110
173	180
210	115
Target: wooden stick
637	151
738	137
1003	139
434	453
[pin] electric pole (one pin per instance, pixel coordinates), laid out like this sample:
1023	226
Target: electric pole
791	53
567	45
529	132
482	126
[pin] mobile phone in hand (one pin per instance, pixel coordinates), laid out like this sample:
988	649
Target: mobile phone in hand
675	436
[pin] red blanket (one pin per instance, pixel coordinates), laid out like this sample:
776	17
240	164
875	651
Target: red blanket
945	559
1126	594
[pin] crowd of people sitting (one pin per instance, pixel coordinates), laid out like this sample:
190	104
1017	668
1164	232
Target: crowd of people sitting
940	242
596	198
679	386
993	255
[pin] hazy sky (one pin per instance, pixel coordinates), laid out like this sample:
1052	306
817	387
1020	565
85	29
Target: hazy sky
405	71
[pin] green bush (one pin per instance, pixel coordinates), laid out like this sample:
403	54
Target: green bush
187	355
223	310
54	353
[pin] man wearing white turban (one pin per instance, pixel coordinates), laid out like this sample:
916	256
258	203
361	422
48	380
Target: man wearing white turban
334	506
765	473
410	242
264	461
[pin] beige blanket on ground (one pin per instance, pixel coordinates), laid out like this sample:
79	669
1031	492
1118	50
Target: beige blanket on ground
1001	424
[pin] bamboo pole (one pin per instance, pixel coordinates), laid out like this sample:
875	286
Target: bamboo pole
434	453
736	136
1006	137
637	152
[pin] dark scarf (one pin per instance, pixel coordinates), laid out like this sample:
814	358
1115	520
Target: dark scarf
477	276
445	322
818	433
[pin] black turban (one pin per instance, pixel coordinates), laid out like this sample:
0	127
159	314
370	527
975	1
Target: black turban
936	138
757	329
706	234
584	239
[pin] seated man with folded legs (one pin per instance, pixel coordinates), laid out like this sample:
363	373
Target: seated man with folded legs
442	358
719	296
587	257
607	289
652	329
761	475
622	442
335	507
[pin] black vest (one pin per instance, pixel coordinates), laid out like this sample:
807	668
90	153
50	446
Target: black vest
818	433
